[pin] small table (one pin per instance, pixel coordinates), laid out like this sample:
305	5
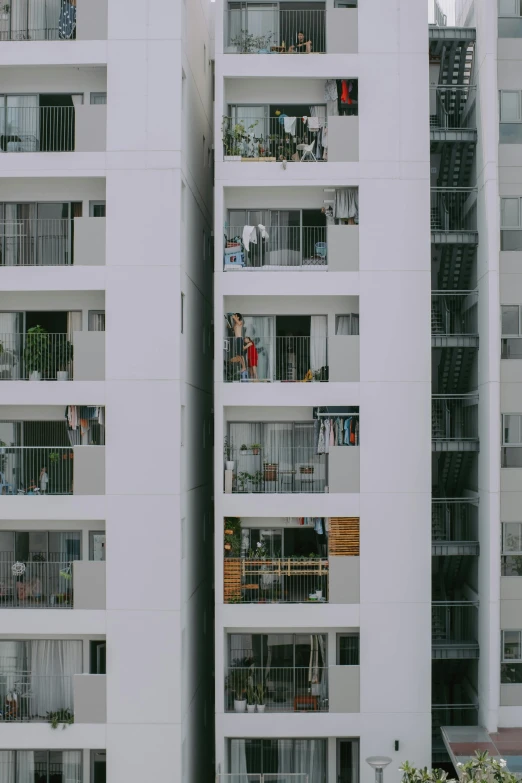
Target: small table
307	702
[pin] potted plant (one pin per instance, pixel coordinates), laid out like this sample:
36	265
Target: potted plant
232	536
242	479
61	357
36	352
251	697
261	696
248	43
64	716
270	471
237	682
5	11
256	448
243	449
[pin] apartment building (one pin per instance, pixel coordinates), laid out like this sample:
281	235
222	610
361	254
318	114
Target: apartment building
322	383
105	393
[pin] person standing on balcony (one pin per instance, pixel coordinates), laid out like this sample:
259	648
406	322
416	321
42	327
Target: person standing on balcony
252	357
237	325
44	480
301	46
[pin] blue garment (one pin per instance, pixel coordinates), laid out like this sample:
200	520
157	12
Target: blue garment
67	22
347	431
318	526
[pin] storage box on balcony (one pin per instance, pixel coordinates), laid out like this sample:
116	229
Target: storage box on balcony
89	356
91	20
343	248
342	35
90	698
344	689
90	127
89	584
343	358
89	470
343	469
343	139
89	241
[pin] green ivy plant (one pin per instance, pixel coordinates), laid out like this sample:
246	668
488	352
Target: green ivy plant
63	716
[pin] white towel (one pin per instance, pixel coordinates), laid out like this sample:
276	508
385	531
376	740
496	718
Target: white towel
290	125
249	236
263	233
313	123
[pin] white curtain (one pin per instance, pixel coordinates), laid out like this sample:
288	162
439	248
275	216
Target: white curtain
72	766
260	329
262	20
23	118
53	662
318	331
25	764
347	203
20	234
11	328
7	766
347	324
303	756
238	765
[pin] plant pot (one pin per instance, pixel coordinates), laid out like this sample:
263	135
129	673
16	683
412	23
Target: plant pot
255	451
62	375
35	375
243	452
240	706
319	594
251	707
232	157
270	471
261	707
229	465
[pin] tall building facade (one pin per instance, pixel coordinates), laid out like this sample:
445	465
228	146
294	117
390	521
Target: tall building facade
105	401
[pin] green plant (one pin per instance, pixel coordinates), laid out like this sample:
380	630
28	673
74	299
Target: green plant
233	536
261	692
64	716
248	43
235	136
6	8
61	354
237	680
54	457
36	352
480	769
255	446
250	692
39	557
243	447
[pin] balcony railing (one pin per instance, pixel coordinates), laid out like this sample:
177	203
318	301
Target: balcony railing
278	469
268	777
453	107
276	580
453	210
274	138
454	418
28	697
454	314
37	129
21	466
35	584
286	246
35	242
44	20
261	31
284	689
454	624
284	359
454	520
35	357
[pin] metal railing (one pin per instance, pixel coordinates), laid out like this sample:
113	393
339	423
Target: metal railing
283	359
44	20
35	242
279	470
21	470
284	580
453	107
454	520
294	246
453	209
37	129
454	313
35	584
436	15
35	356
262	31
278	689
28	697
454	622
454	418
274	138
268	777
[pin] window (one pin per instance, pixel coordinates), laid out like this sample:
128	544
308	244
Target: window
509	7
43	766
511	440
345	4
98	98
347	649
98	766
97	208
510	224
511	332
347	324
96	320
511	559
254	757
510	21
98	654
511	660
97	545
510	117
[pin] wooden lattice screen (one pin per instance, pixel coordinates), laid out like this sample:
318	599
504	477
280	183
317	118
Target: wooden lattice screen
232	579
343	537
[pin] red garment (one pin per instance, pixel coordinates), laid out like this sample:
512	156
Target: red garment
345	93
252	355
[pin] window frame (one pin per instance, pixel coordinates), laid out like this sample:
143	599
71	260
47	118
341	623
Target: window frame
98	95
515	15
94	204
510	334
512	444
518	93
503	658
344	635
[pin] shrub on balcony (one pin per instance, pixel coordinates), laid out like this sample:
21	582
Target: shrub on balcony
481	769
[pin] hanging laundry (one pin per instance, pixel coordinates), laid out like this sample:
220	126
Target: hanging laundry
314	123
318	526
332	432
289	124
330	90
347	431
67	21
249	236
263	233
327	436
321	441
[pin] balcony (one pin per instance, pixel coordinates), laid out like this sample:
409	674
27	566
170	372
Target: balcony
454	319
272	30
34	698
454	216
454	628
46	20
40	128
52	585
283	689
454	423
453	114
52	241
39	355
454	527
292	138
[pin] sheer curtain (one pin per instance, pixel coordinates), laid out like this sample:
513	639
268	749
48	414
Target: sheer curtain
11	328
347	204
318	331
23	117
238	764
72	766
52	665
20	233
347	324
260	329
25	765
7	766
251	115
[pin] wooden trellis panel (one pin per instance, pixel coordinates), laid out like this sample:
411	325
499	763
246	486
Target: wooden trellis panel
232	578
343	537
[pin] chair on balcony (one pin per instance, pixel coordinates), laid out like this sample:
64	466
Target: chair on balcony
307	151
5	487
